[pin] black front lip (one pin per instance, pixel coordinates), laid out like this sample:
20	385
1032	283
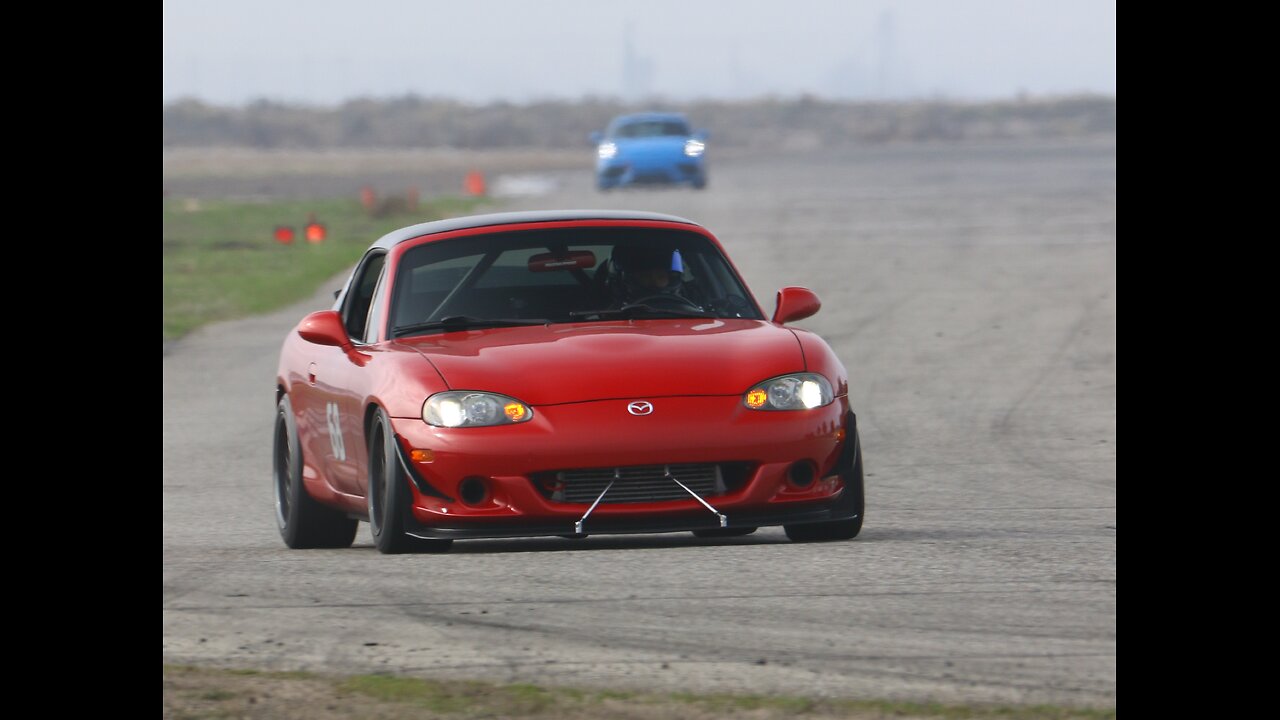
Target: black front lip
628	526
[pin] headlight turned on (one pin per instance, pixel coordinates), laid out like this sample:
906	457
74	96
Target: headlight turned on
797	391
461	408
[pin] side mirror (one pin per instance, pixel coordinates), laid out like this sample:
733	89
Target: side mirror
595	138
324	327
795	303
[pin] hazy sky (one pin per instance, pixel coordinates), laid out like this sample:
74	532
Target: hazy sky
324	52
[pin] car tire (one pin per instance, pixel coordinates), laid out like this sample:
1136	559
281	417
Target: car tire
303	522
388	494
723	532
853	499
700	183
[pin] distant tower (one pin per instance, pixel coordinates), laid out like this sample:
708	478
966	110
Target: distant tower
636	70
884	73
738	85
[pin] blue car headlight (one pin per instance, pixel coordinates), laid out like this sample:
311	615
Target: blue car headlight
797	391
607	151
694	148
466	408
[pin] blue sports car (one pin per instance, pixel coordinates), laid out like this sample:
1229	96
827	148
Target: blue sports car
650	148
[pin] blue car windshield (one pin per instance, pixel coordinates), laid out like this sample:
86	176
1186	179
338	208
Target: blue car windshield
652	128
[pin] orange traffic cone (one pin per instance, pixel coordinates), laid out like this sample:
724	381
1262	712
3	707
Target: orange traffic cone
314	231
474	184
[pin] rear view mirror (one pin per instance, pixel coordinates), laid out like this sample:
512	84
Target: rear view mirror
324	327
548	262
795	303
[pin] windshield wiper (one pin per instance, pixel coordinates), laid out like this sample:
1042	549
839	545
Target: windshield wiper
464	322
631	309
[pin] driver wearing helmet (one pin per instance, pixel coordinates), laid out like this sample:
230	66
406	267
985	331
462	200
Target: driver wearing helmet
639	271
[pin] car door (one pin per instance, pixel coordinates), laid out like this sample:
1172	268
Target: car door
339	383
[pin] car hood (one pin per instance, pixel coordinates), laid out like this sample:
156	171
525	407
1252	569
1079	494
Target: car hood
554	364
651	146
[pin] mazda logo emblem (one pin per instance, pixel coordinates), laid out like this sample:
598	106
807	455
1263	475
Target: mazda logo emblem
640	408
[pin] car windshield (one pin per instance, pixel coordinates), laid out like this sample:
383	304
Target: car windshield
563	275
651	128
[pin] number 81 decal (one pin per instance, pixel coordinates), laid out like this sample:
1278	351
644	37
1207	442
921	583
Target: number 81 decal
335	431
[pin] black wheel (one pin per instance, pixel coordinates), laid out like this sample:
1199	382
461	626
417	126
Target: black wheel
723	532
853	499
389	495
303	522
670	300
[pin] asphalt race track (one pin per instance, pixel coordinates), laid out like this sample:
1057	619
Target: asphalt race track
971	293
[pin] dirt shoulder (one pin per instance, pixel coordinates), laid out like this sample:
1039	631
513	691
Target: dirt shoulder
192	693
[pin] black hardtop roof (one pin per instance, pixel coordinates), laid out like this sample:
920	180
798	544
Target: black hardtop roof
395	237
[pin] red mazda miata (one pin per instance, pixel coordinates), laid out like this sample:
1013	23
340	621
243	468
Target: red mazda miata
559	373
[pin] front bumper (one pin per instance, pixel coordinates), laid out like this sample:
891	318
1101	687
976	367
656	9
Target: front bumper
510	461
622	172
